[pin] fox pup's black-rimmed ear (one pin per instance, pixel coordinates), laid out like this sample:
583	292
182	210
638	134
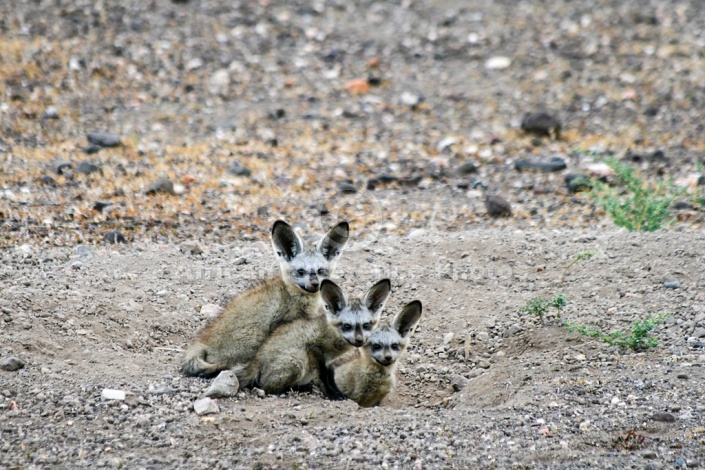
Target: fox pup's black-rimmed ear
286	242
333	243
408	318
377	295
332	296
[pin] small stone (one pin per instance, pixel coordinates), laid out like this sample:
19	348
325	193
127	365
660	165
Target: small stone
114	236
84	251
237	169
76	265
416	233
62	167
575	182
466	169
553	164
87	168
163	390
448	338
458	382
100	205
699	332
51	113
346	187
219	83
580	357
484	364
12	364
497	206
211	310
410	99
224	386
193	247
205	406
446	143
162	185
482	336
671	285
639	384
110	394
46	180
92	149
514	329
663	417
541	123
103	139
498	63
600	169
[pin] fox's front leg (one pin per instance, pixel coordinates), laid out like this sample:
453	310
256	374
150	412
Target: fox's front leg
326	375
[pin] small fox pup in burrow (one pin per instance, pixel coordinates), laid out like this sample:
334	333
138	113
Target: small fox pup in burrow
369	374
237	333
298	354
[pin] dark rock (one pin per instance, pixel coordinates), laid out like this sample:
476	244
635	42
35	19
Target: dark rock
278	113
47	180
466	169
497	206
91	149
701	180
347	187
383	178
657	156
663	417
100	205
575	182
262	211
114	236
237	169
671	284
323	210
541	123
476	183
162	185
103	139
62	167
651	111
554	163
681	205
87	168
374	80
12	364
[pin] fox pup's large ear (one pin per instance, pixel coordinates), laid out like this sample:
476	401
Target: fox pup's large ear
377	295
286	242
332	295
332	245
408	318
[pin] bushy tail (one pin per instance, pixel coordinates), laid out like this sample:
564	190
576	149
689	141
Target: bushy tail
195	365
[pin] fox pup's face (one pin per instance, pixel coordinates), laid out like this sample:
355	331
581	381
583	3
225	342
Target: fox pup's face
386	343
307	268
354	320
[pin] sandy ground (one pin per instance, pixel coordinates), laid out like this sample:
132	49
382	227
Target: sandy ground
394	116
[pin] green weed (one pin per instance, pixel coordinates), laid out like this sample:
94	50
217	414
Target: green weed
539	306
638	339
645	206
580	256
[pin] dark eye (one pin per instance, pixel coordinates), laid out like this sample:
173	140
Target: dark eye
395	346
366	326
347	327
321	272
376	347
301	272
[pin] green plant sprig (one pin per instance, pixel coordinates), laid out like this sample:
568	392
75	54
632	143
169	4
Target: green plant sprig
638	339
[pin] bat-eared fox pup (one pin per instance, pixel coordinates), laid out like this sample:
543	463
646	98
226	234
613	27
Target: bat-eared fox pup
237	333
369	374
299	353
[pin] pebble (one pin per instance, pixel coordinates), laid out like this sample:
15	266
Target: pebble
663	417
671	285
103	139
47	180
551	165
448	338
87	168
51	113
699	332
205	406
225	385
12	364
498	63
163	390
482	336
237	169
76	265
92	149
514	329
111	394
541	123
162	185
84	251
446	143
458	382
219	83
346	187
62	167
211	310
410	99
576	182
497	206
114	236
466	169
193	247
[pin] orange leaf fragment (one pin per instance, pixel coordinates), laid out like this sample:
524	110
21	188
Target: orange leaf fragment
358	86
188	179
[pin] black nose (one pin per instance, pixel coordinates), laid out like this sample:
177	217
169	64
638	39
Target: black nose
358	342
